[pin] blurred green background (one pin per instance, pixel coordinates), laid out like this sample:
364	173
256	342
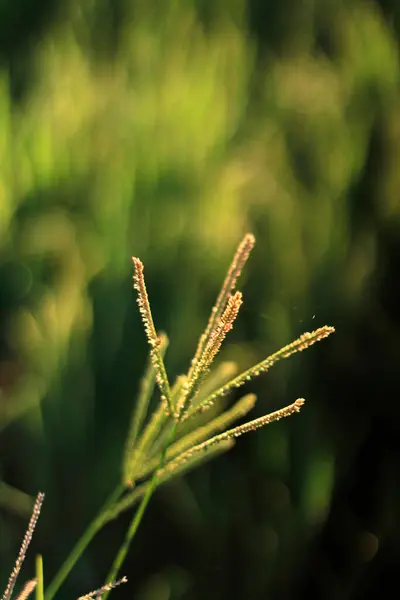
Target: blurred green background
167	129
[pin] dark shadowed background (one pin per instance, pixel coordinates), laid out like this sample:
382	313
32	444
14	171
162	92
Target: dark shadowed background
167	129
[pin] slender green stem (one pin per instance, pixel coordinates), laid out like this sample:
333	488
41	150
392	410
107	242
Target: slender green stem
138	516
81	545
39	577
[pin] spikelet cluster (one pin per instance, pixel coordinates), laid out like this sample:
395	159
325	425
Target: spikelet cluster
192	393
215	339
234	433
103	589
219	332
153	339
304	341
239	260
27	589
23	550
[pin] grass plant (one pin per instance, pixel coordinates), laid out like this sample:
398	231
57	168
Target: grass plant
172	439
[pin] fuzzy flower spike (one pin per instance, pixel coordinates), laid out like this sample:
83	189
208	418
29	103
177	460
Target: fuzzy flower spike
23	550
153	339
223	315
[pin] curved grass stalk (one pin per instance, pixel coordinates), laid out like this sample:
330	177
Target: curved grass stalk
166	474
92	529
137	519
139	414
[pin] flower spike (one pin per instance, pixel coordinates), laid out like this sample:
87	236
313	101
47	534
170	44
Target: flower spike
24	547
212	348
304	341
154	340
239	260
105	588
234	433
27	589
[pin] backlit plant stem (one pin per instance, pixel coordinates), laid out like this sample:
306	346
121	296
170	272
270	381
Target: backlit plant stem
137	519
82	544
39	577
